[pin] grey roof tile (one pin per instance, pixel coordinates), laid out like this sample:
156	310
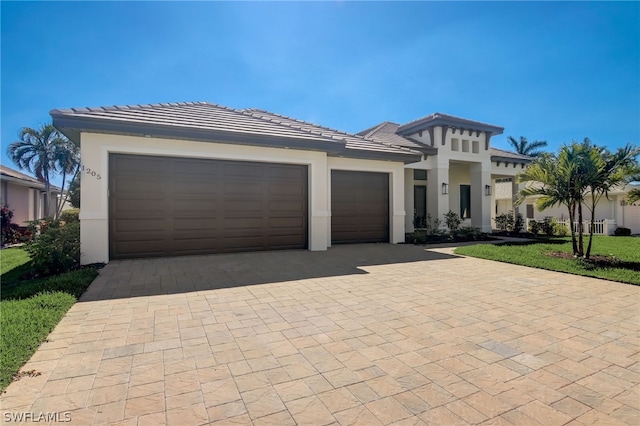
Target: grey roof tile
439	118
508	155
211	122
355	141
387	133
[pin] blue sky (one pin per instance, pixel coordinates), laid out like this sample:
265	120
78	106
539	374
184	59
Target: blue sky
545	70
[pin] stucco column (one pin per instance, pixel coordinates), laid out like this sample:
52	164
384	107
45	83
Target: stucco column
319	229
515	188
398	213
481	206
437	202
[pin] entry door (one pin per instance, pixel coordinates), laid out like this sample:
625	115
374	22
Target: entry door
420	205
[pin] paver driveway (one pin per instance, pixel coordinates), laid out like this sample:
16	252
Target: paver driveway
364	334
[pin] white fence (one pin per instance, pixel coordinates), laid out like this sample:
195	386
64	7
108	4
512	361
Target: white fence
600	227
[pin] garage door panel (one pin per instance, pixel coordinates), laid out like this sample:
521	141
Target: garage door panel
141	186
359	207
166	206
193	167
286	222
187	186
128	165
292	190
237	189
200	224
242	171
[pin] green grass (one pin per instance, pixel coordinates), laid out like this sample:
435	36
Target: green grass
30	309
625	250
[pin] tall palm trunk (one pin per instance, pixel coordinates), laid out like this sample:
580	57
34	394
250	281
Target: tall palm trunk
593	219
572	219
580	231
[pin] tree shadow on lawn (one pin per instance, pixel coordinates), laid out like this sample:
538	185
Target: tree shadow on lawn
594	262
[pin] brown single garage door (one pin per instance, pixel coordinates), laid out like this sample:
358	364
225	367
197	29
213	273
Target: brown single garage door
359	207
168	206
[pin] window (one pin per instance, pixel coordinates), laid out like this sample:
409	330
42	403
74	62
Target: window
465	201
529	211
475	147
420	206
465	145
419	174
455	144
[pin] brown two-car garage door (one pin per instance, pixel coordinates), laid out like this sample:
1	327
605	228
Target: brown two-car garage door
359	207
166	206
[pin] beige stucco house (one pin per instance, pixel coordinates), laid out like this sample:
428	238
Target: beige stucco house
193	178
24	195
611	212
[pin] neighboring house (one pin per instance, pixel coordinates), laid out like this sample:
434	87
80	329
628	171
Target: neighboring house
613	211
24	195
194	178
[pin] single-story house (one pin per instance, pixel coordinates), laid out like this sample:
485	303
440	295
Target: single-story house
194	178
24	195
612	211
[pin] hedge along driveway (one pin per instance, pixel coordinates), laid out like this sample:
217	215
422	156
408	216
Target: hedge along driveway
380	334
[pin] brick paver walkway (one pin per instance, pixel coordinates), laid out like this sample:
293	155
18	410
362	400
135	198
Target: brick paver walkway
365	334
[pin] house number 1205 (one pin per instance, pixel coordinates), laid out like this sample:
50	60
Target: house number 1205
90	172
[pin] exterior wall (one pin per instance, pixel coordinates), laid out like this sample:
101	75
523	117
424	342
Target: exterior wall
17	199
396	190
604	210
96	148
463	159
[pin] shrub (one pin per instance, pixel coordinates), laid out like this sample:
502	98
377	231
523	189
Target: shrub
417	237
534	227
518	224
57	249
504	221
419	222
622	232
547	226
510	222
453	221
10	231
70	215
470	233
560	230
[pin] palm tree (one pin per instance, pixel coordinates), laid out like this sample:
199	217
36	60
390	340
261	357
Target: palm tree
605	170
579	170
551	177
634	194
67	159
37	152
524	147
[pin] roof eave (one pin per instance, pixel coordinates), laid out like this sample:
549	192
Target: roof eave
374	155
412	128
510	159
72	127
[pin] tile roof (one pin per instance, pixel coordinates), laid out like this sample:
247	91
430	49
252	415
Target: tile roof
13	175
9	172
211	122
354	141
508	155
439	118
387	132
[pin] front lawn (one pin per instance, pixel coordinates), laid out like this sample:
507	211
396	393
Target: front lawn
615	258
30	309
